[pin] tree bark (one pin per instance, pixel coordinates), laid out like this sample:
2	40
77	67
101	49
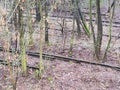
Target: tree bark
99	31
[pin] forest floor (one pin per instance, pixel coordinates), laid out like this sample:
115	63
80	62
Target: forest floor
61	75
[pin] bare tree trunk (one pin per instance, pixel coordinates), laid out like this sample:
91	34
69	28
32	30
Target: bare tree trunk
46	23
110	27
37	8
76	15
99	31
22	41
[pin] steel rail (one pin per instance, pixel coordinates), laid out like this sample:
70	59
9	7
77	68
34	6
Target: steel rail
117	23
3	62
67	59
64	58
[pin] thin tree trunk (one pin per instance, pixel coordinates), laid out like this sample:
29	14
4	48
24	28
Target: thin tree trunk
22	42
110	27
41	30
46	23
37	8
76	16
91	26
99	31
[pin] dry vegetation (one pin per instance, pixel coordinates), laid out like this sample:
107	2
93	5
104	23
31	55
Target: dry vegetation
65	28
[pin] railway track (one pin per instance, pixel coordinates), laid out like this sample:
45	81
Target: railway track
104	20
59	57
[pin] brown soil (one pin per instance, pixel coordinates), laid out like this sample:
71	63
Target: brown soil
61	75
